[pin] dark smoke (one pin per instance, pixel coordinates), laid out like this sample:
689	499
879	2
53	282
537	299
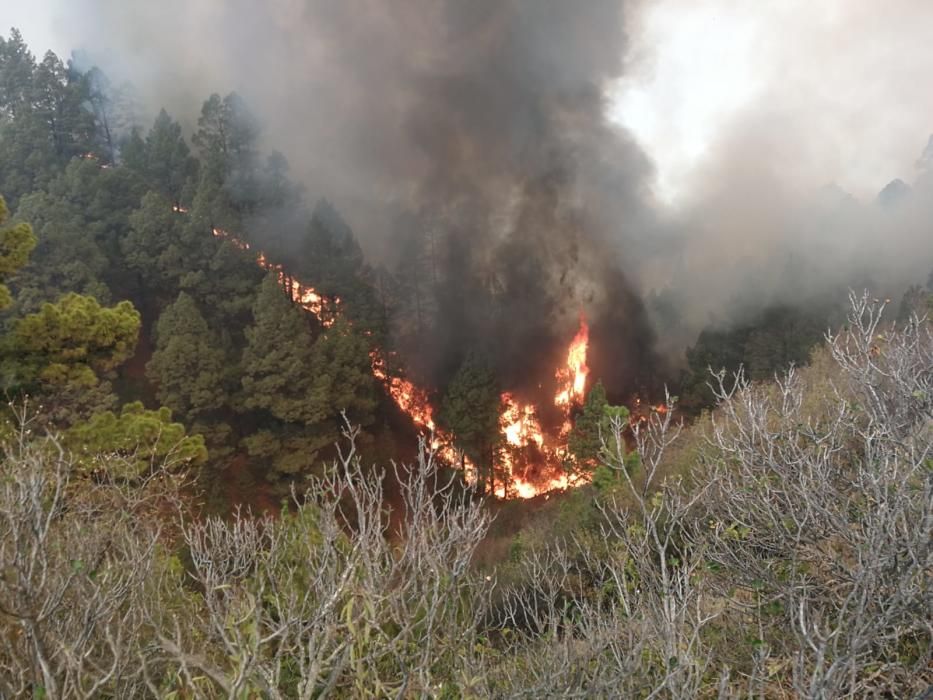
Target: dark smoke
484	120
530	186
483	125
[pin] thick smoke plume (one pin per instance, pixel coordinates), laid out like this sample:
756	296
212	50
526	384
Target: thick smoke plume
777	124
482	126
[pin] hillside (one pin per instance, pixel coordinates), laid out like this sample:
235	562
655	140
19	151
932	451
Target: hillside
242	458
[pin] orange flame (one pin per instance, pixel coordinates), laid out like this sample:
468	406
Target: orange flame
414	403
523	436
236	242
410	399
572	377
522	430
520	423
306	297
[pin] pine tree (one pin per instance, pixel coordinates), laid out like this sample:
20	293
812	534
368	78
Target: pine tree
142	438
73	341
585	440
59	100
26	154
289	449
226	282
16	243
188	365
300	382
155	247
471	409
101	101
592	442
64	355
331	257
226	138
17	65
343	370
168	161
331	260
277	364
67	258
416	278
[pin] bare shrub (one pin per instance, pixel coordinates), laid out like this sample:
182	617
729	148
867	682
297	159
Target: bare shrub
824	523
73	560
796	561
329	599
622	616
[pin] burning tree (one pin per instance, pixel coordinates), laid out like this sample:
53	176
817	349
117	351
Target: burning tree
492	436
471	410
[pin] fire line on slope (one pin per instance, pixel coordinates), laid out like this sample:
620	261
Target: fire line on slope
521	431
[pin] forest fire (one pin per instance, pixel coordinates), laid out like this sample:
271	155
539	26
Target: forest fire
306	297
233	240
534	462
572	377
413	402
410	399
531	462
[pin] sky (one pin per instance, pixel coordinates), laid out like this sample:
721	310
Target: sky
844	80
701	147
41	24
849	79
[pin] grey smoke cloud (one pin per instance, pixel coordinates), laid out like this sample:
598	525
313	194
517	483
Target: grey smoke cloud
485	118
758	228
489	120
762	117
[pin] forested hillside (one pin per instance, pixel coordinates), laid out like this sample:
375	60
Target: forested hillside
165	307
212	482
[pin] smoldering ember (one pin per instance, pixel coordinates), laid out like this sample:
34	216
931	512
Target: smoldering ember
489	349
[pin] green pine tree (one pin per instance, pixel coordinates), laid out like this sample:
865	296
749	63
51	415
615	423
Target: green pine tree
471	409
331	260
74	340
64	355
592	444
66	259
155	246
168	161
343	371
585	440
141	439
189	365
278	362
16	243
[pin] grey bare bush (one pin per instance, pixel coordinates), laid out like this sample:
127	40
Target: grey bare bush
796	561
624	616
338	595
822	523
792	559
75	554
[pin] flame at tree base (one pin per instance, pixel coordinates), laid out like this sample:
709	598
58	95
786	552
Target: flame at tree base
530	463
533	461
